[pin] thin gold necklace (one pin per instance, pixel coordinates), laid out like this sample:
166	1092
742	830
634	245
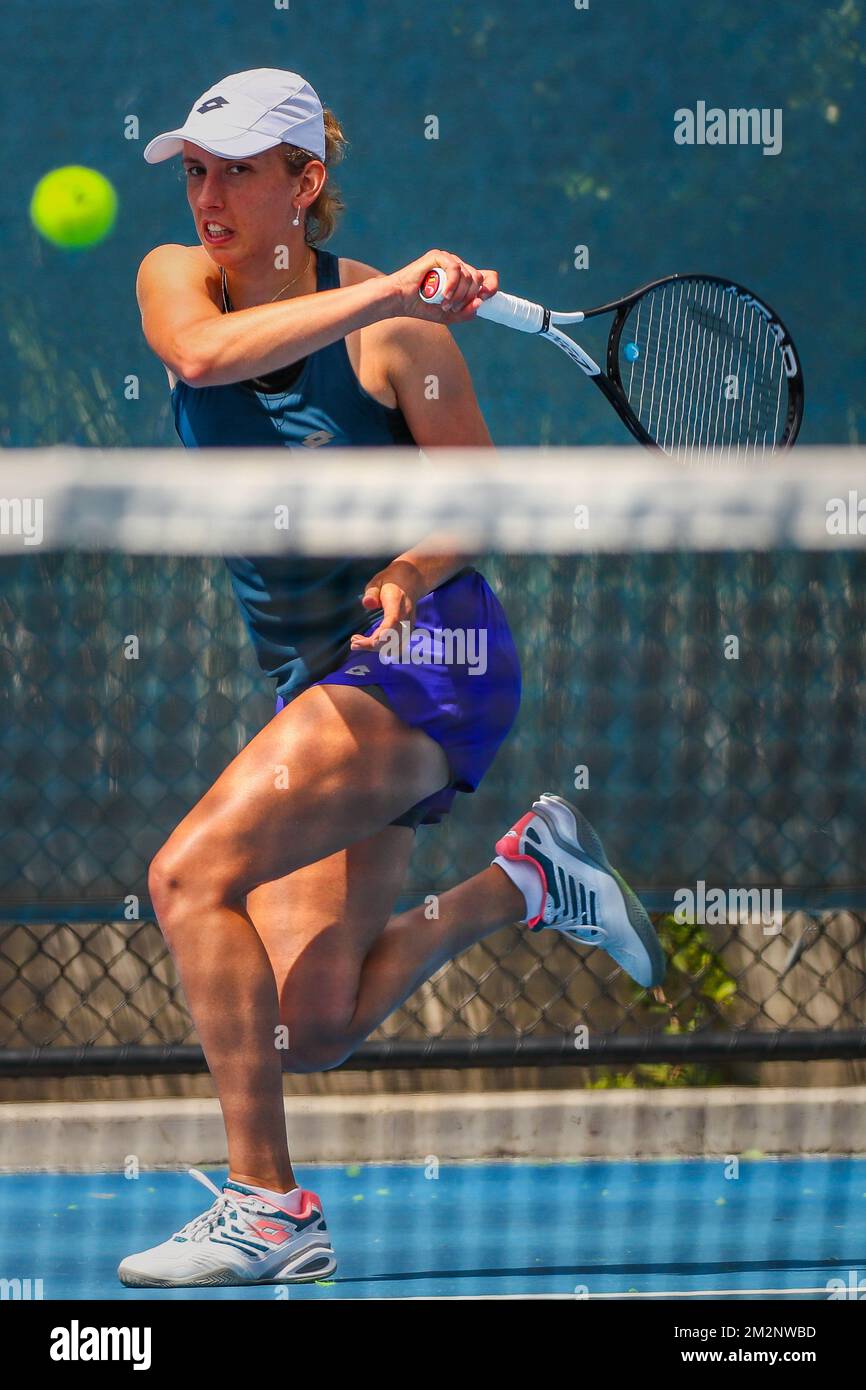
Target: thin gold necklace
296	279
279	292
259	381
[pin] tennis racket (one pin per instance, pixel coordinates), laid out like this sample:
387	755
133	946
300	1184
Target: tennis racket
694	363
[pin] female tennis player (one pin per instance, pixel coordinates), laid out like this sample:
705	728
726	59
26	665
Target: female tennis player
276	892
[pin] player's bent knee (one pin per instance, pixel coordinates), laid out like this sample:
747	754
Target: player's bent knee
164	880
175	878
320	1043
312	1056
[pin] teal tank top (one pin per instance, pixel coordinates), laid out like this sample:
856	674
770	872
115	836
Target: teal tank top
299	611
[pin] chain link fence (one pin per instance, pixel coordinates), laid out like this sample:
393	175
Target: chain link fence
113	985
707	711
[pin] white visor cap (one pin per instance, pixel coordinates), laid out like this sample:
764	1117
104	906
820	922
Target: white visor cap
246	113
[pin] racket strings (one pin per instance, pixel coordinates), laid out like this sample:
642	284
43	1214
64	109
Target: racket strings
702	371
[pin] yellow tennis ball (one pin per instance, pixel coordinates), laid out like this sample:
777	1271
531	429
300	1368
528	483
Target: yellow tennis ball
73	206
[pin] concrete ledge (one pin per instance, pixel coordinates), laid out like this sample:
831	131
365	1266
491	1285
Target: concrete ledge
534	1125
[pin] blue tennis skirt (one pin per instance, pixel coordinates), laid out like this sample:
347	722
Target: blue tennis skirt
456	675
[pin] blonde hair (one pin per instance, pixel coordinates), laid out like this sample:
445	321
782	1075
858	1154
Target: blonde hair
325	212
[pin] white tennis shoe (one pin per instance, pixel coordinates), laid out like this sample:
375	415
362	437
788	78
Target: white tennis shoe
583	896
241	1239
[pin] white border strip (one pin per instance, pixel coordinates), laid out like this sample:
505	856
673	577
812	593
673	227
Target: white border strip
529	1126
354	502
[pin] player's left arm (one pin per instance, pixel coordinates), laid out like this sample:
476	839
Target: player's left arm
435	393
433	387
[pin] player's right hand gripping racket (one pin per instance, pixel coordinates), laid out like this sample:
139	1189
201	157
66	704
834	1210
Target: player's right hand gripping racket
694	363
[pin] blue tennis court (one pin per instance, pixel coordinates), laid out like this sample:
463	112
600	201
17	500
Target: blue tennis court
598	1229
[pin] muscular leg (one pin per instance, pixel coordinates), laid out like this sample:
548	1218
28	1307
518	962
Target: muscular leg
317	926
342	963
332	769
413	946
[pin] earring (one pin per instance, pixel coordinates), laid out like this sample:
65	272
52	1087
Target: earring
297	221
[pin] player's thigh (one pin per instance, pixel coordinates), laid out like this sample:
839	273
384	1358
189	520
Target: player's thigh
331	769
319	923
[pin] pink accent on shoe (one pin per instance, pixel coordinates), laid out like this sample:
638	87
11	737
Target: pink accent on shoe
274	1232
508	848
306	1199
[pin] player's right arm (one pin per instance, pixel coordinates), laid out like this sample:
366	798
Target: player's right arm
176	299
178	295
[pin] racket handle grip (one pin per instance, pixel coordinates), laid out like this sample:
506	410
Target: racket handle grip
507	309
